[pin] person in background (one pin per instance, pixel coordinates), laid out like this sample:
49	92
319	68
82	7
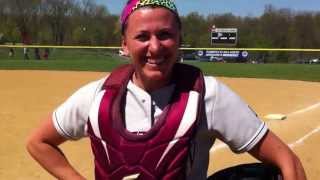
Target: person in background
25	53
155	118
11	53
37	54
46	53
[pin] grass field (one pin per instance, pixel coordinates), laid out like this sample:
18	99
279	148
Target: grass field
103	60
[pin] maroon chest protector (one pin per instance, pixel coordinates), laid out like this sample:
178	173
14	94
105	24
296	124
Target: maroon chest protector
159	153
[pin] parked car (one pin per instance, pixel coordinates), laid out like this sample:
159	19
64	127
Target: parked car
210	59
217	59
188	56
204	59
121	53
301	61
314	61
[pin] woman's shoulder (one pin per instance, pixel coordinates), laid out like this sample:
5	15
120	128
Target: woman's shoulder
211	83
210	79
88	91
93	87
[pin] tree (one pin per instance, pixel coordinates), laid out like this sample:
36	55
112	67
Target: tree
194	29
83	22
58	15
22	13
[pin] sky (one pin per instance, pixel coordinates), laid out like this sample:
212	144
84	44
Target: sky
236	7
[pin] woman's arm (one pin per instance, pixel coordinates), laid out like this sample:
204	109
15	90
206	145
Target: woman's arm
272	150
43	147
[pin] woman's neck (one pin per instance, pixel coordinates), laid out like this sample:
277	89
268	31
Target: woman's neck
147	84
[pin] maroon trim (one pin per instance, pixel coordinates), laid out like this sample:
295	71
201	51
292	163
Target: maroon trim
119	77
131	153
105	115
186	80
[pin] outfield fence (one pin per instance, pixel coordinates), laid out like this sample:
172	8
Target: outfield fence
183	48
293	64
254	55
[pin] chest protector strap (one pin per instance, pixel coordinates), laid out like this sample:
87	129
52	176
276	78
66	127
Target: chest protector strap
161	152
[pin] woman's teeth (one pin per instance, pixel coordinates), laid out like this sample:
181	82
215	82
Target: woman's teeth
155	61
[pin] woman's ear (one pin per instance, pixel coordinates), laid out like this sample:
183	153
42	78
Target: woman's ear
124	46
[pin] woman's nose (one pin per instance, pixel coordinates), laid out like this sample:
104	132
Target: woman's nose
155	45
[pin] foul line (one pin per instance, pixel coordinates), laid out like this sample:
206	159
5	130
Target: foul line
291	145
301	140
309	108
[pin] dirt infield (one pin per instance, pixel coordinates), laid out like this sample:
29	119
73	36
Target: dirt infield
28	96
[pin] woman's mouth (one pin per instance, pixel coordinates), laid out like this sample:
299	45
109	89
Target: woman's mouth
157	61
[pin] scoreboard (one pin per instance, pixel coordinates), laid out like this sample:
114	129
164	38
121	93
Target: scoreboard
224	36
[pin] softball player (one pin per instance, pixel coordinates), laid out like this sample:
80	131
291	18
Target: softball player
155	118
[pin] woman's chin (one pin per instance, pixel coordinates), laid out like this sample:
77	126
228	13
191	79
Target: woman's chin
156	76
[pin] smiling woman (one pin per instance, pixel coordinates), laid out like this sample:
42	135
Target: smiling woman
155	118
152	39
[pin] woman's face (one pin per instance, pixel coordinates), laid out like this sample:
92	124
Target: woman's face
152	40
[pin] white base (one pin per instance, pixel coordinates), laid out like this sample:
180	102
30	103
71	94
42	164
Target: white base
275	117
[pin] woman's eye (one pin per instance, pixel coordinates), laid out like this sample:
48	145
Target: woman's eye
142	37
164	35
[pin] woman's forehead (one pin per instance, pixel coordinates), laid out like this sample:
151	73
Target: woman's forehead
146	12
133	5
157	15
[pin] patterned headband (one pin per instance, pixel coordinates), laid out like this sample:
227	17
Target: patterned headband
132	5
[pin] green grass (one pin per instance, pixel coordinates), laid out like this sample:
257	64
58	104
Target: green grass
64	59
102	60
304	72
74	65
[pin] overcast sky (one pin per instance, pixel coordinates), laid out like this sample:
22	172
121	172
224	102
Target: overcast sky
237	7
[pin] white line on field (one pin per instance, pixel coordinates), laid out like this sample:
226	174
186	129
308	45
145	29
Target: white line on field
300	141
292	145
309	108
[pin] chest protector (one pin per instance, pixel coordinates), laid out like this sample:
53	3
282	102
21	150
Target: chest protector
159	153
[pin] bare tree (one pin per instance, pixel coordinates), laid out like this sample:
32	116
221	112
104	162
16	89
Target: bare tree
23	13
58	14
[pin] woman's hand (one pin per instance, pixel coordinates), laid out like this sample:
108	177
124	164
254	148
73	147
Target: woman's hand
272	150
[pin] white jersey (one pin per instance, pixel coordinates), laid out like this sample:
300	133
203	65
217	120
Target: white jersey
227	117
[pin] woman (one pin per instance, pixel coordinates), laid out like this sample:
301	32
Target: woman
155	118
